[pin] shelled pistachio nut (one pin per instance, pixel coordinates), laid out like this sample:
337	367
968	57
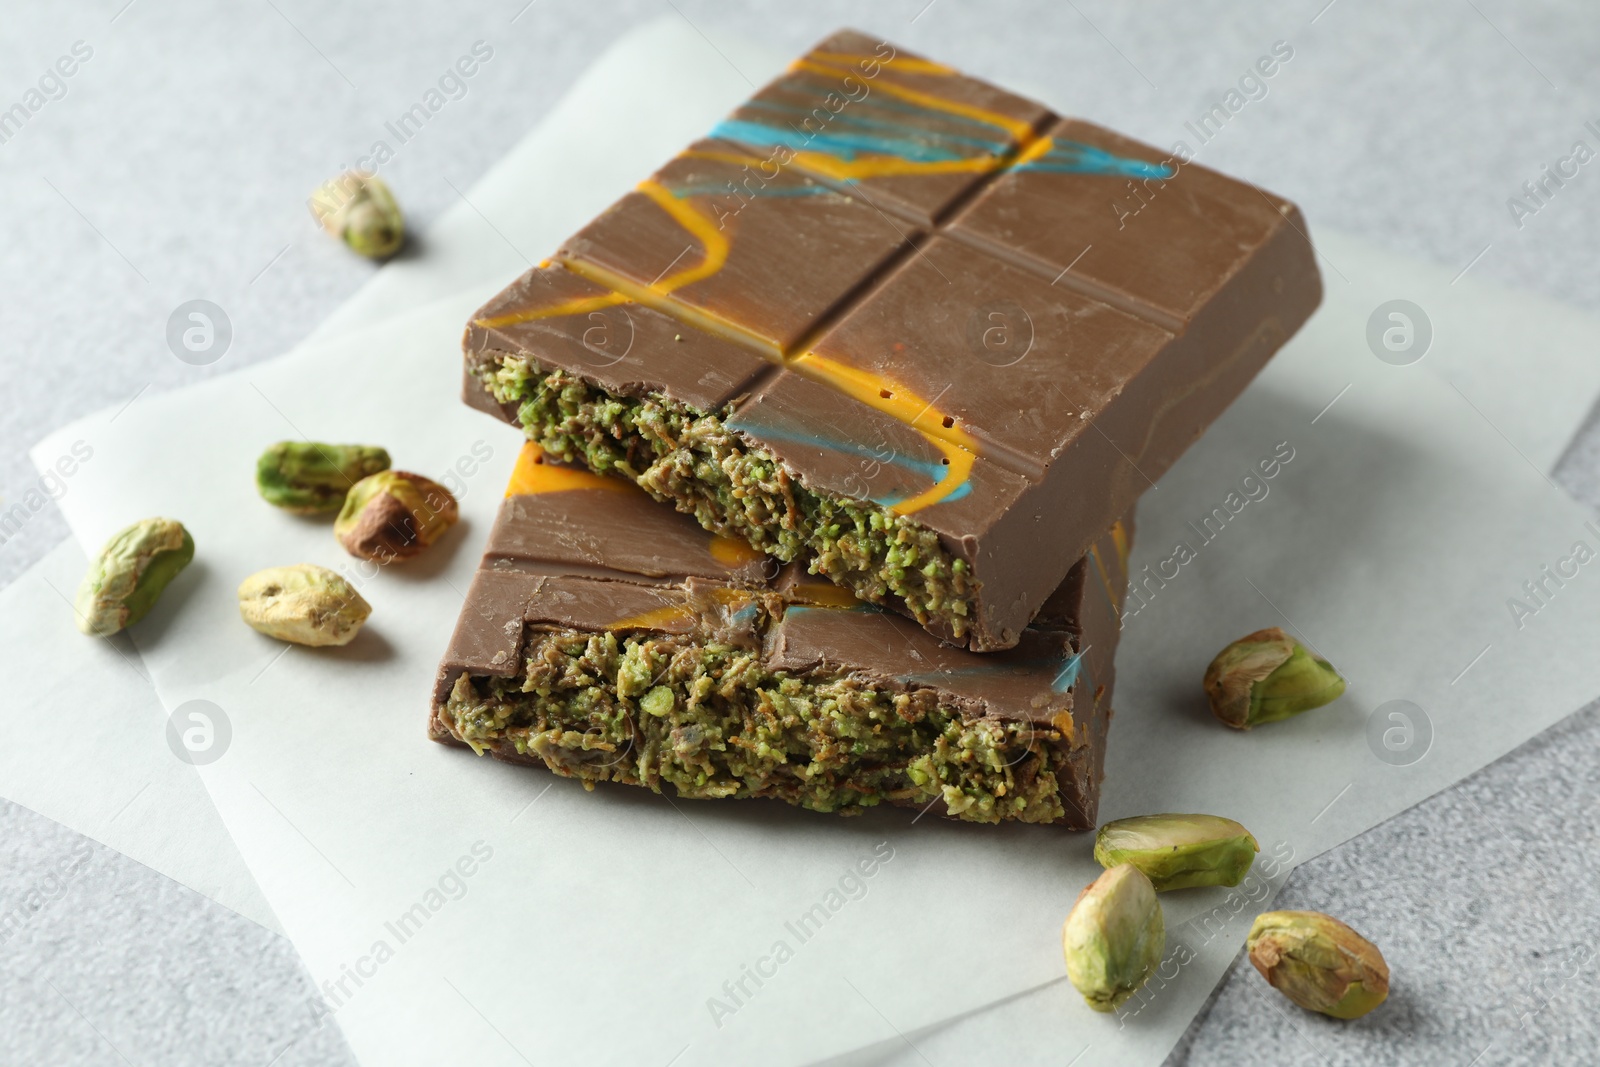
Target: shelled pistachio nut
359	209
128	576
308	477
393	515
1179	851
1267	676
1114	937
1318	962
303	604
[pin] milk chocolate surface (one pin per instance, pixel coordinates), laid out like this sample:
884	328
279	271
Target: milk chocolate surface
575	557
925	299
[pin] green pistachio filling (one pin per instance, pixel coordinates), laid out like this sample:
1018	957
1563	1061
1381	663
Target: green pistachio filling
712	721
693	460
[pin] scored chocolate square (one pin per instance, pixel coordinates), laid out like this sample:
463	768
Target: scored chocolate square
902	324
612	640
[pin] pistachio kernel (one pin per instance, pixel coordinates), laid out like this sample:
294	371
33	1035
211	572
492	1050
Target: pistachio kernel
1267	676
128	576
308	477
358	208
393	515
1114	937
303	604
1318	962
1179	851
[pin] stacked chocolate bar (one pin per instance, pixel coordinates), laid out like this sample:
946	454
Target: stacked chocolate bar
901	350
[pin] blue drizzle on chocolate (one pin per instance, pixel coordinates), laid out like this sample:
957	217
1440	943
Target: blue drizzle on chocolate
1073	157
1066	676
932	471
900	142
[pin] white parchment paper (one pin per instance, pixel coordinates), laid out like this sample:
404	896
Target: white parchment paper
85	743
460	909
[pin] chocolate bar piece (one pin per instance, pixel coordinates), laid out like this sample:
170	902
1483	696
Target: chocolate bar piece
614	640
914	329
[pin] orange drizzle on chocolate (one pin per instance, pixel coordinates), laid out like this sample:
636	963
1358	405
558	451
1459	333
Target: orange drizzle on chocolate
532	476
878	391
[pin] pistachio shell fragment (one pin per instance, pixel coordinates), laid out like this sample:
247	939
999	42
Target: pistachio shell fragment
303	604
359	209
393	515
129	575
1114	937
1179	851
1267	676
308	477
1319	963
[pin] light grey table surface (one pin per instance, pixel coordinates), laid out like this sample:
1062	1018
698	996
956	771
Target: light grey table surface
174	164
